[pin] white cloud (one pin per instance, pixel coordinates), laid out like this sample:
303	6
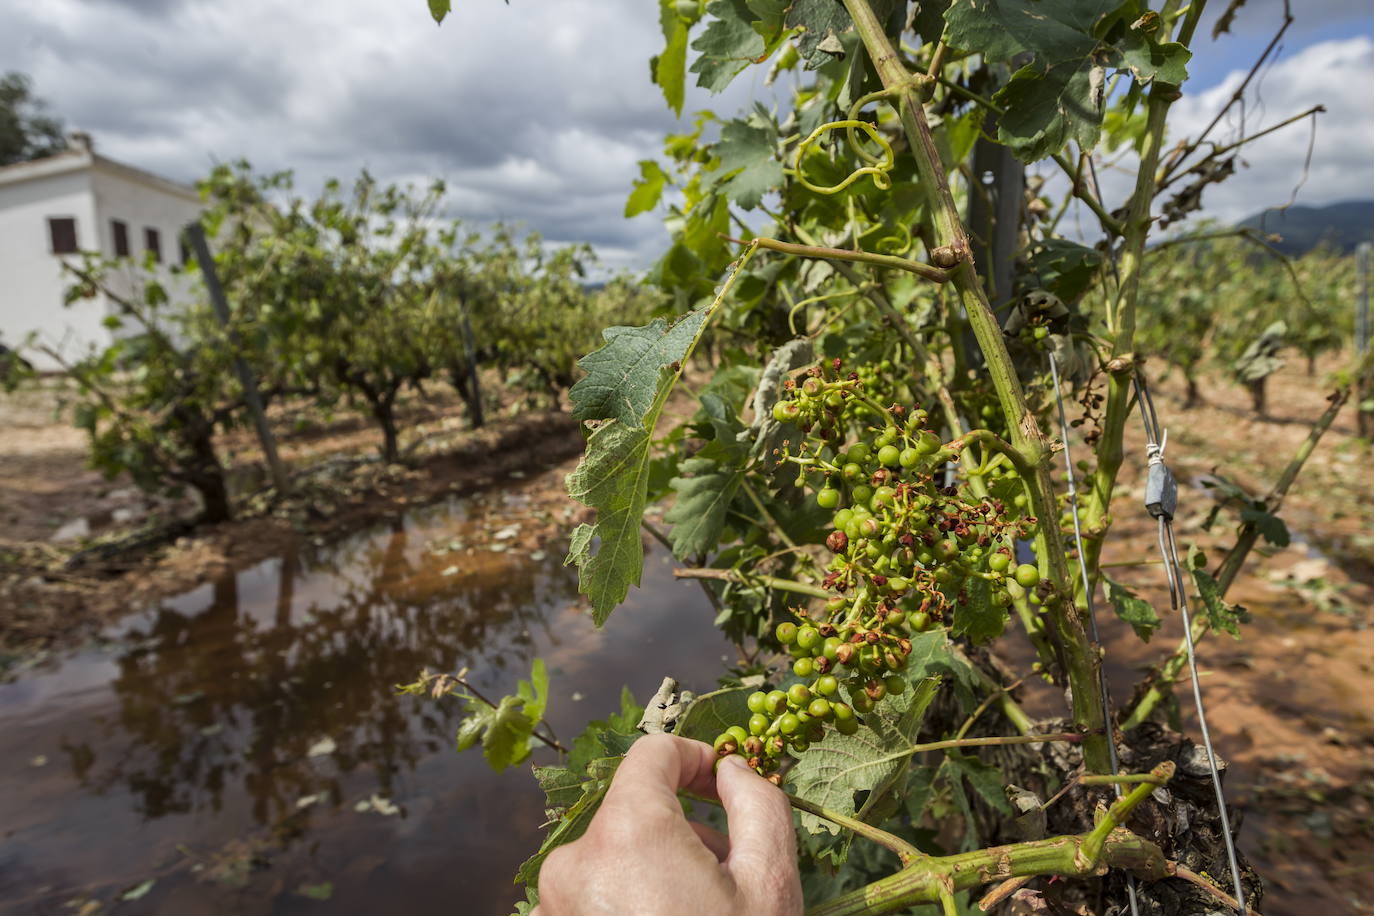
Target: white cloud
1338	74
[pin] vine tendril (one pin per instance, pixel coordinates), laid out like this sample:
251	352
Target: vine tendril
878	169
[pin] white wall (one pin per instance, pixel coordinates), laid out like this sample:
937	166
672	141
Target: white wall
140	203
32	282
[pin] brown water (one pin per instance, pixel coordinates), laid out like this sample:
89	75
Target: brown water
179	750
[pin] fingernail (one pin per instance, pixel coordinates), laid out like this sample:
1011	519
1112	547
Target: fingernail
736	761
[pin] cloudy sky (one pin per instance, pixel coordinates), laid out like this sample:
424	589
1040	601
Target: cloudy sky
537	111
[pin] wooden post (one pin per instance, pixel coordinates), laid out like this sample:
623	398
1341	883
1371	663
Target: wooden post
470	354
195	232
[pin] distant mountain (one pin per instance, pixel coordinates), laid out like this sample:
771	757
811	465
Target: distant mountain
1343	225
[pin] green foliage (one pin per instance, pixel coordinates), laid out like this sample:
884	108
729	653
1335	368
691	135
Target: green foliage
833	770
1131	608
27	131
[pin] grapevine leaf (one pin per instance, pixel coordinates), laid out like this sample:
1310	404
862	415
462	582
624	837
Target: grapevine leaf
984	779
1270	526
819	19
612	735
648	189
979	618
670	67
698	515
1054	31
439	9
836	767
562	786
1149	60
573	823
728	45
1065	268
1058	96
1046	111
747	156
712	713
613	479
535	691
769	17
506	740
1131	608
1220	615
624	376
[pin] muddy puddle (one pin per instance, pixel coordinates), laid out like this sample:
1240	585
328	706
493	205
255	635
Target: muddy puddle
239	750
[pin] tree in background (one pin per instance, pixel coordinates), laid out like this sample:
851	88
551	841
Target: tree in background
26	130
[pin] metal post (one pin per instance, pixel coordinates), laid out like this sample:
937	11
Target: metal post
196	234
470	352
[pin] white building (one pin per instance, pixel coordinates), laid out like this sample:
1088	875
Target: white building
52	209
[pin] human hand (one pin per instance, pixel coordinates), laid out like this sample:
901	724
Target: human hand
641	855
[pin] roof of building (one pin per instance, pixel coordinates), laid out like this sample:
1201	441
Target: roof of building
83	157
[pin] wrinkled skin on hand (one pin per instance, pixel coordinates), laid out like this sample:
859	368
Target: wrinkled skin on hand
641	855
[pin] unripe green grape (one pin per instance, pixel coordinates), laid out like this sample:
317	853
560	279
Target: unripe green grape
896	618
889	455
808	637
875	691
946	550
999	562
774	746
800	745
819	708
897	585
757	701
847	726
803	667
738	733
785	411
842	518
789	723
827	685
776	702
798	695
861	496
920	621
882	496
908	457
828	498
895	685
860	701
859	452
831	647
786	633
834	399
758	723
852	471
1001	597
928	443
721	740
885	438
812	386
833	605
815	731
803	716
1027	576
842	712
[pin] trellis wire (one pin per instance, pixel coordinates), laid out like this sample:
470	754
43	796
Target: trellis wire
1160	484
1088	599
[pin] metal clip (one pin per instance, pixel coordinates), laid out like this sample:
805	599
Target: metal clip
1161	491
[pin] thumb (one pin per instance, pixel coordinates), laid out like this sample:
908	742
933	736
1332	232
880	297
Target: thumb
763	847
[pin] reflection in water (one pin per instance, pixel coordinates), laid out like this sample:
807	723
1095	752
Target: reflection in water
228	707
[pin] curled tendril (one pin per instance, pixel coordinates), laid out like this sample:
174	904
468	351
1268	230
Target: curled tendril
878	169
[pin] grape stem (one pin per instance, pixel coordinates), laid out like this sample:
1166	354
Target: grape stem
730	575
933	879
934	274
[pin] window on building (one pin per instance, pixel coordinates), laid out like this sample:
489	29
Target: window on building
120	231
62	232
152	242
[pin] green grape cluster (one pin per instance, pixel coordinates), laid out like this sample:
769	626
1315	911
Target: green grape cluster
903	548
